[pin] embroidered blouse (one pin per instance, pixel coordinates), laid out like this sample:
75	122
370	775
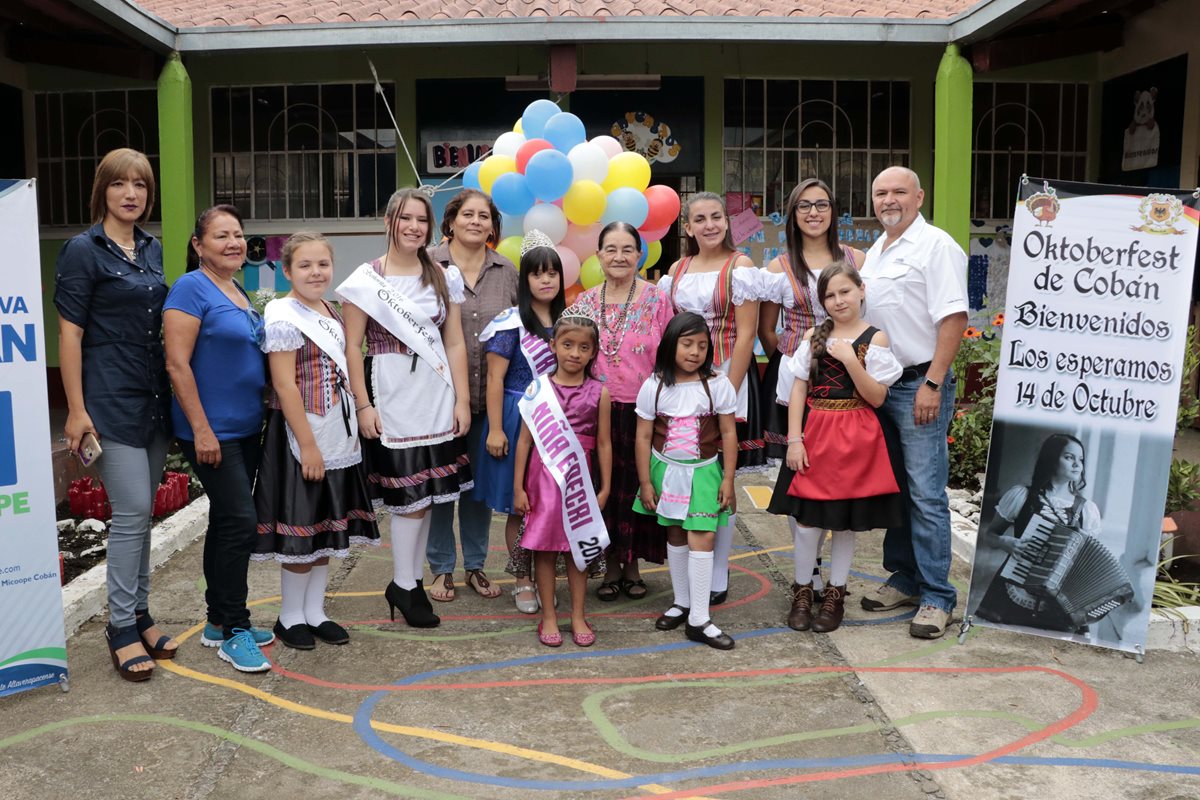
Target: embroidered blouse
380	340
316	373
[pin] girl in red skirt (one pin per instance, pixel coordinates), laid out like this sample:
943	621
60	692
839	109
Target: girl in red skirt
837	475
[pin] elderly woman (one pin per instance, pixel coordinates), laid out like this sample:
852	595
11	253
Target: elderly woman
470	229
632	315
212	335
109	291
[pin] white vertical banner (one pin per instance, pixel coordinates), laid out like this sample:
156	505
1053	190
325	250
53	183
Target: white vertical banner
1099	288
32	639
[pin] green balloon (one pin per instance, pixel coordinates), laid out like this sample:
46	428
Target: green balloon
510	248
591	273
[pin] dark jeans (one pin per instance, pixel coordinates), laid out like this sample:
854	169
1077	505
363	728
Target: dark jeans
232	523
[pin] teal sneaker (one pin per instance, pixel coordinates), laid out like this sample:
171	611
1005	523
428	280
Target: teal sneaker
214	636
242	652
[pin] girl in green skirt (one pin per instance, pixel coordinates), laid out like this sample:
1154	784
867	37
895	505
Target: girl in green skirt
686	458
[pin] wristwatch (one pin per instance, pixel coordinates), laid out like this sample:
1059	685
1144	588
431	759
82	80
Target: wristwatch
937	387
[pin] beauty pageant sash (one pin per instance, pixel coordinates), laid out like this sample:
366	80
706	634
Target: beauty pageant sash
536	350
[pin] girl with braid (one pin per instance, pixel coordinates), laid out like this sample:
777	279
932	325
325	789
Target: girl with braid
837	474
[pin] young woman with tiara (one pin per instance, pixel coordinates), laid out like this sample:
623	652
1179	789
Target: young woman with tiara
411	390
517	344
720	284
311	491
790	289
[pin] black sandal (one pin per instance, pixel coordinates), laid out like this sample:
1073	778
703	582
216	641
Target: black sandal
159	650
119	638
634	590
609	591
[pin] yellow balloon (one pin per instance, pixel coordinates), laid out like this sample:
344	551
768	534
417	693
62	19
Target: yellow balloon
653	254
493	167
627	169
591	273
518	127
584	202
510	248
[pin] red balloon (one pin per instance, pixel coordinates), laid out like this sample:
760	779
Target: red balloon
573	291
526	151
664	205
653	235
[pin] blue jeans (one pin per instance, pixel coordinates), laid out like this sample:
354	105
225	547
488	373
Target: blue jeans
131	476
474	522
918	554
232	528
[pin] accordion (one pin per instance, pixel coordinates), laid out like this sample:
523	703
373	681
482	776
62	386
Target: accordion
1071	573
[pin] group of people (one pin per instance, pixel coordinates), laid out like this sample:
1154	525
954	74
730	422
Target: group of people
608	431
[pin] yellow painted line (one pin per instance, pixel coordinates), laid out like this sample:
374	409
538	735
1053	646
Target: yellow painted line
759	495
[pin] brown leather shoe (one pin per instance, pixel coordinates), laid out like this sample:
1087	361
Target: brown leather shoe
800	617
832	609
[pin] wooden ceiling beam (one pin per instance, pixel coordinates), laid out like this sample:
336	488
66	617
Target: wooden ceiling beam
1019	51
109	59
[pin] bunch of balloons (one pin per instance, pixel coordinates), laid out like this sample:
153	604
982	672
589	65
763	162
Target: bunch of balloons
545	174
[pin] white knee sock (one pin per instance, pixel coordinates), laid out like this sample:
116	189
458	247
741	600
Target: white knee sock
677	565
421	546
292	586
314	595
805	543
722	545
841	554
700	575
405	532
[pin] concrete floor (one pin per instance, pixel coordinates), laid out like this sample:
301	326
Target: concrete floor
477	709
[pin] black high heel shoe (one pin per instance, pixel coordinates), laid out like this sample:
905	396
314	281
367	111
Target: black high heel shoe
414	605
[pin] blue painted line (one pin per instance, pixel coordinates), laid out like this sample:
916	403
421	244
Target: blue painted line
898	618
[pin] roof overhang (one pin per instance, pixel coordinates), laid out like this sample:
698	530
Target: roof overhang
978	22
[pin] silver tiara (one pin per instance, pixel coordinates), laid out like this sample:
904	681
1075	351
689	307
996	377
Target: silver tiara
578	312
534	239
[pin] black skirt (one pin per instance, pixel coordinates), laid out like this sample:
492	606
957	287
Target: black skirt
633	535
301	521
774	416
752	452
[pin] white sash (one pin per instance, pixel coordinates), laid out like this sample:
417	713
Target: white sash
396	312
536	350
323	331
563	455
675	495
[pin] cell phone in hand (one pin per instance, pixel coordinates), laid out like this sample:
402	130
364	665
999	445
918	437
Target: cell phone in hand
89	449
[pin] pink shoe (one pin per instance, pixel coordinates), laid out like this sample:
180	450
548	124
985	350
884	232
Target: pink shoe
551	639
583	639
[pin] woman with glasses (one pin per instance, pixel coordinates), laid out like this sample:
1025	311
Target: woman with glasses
632	315
790	285
213	335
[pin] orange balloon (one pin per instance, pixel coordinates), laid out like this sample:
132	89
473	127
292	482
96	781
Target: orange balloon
573	291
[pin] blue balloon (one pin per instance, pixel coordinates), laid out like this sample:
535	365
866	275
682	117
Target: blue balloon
550	174
645	254
626	205
511	193
471	176
564	130
533	121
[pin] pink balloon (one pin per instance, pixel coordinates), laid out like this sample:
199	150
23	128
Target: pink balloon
655	234
570	263
609	145
583	240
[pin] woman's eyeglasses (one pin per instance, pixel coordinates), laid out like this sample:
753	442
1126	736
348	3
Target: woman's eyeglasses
819	205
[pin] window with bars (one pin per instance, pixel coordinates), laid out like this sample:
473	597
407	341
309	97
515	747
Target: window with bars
74	131
778	132
304	151
1035	129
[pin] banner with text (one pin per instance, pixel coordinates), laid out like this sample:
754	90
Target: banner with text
33	648
1095	327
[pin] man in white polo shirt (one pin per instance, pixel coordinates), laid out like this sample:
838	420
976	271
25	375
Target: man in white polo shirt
916	278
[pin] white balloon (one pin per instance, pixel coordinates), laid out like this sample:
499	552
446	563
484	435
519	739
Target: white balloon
508	143
589	161
608	144
549	219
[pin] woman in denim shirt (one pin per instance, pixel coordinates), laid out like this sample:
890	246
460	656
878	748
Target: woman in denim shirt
109	291
212	335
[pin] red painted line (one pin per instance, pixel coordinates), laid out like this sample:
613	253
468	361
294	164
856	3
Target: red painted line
1088	704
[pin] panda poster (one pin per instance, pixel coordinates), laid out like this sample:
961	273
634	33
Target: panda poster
1141	140
1099	288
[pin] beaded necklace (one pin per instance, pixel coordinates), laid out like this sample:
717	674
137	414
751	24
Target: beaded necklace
612	353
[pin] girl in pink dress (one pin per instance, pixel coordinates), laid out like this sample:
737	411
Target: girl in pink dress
536	494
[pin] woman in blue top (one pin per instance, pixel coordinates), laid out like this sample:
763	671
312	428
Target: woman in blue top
212	336
109	290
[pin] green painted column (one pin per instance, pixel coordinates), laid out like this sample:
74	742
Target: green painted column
406	117
176	165
952	146
714	133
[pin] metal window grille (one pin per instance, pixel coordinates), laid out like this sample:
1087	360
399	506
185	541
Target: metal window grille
73	132
303	151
